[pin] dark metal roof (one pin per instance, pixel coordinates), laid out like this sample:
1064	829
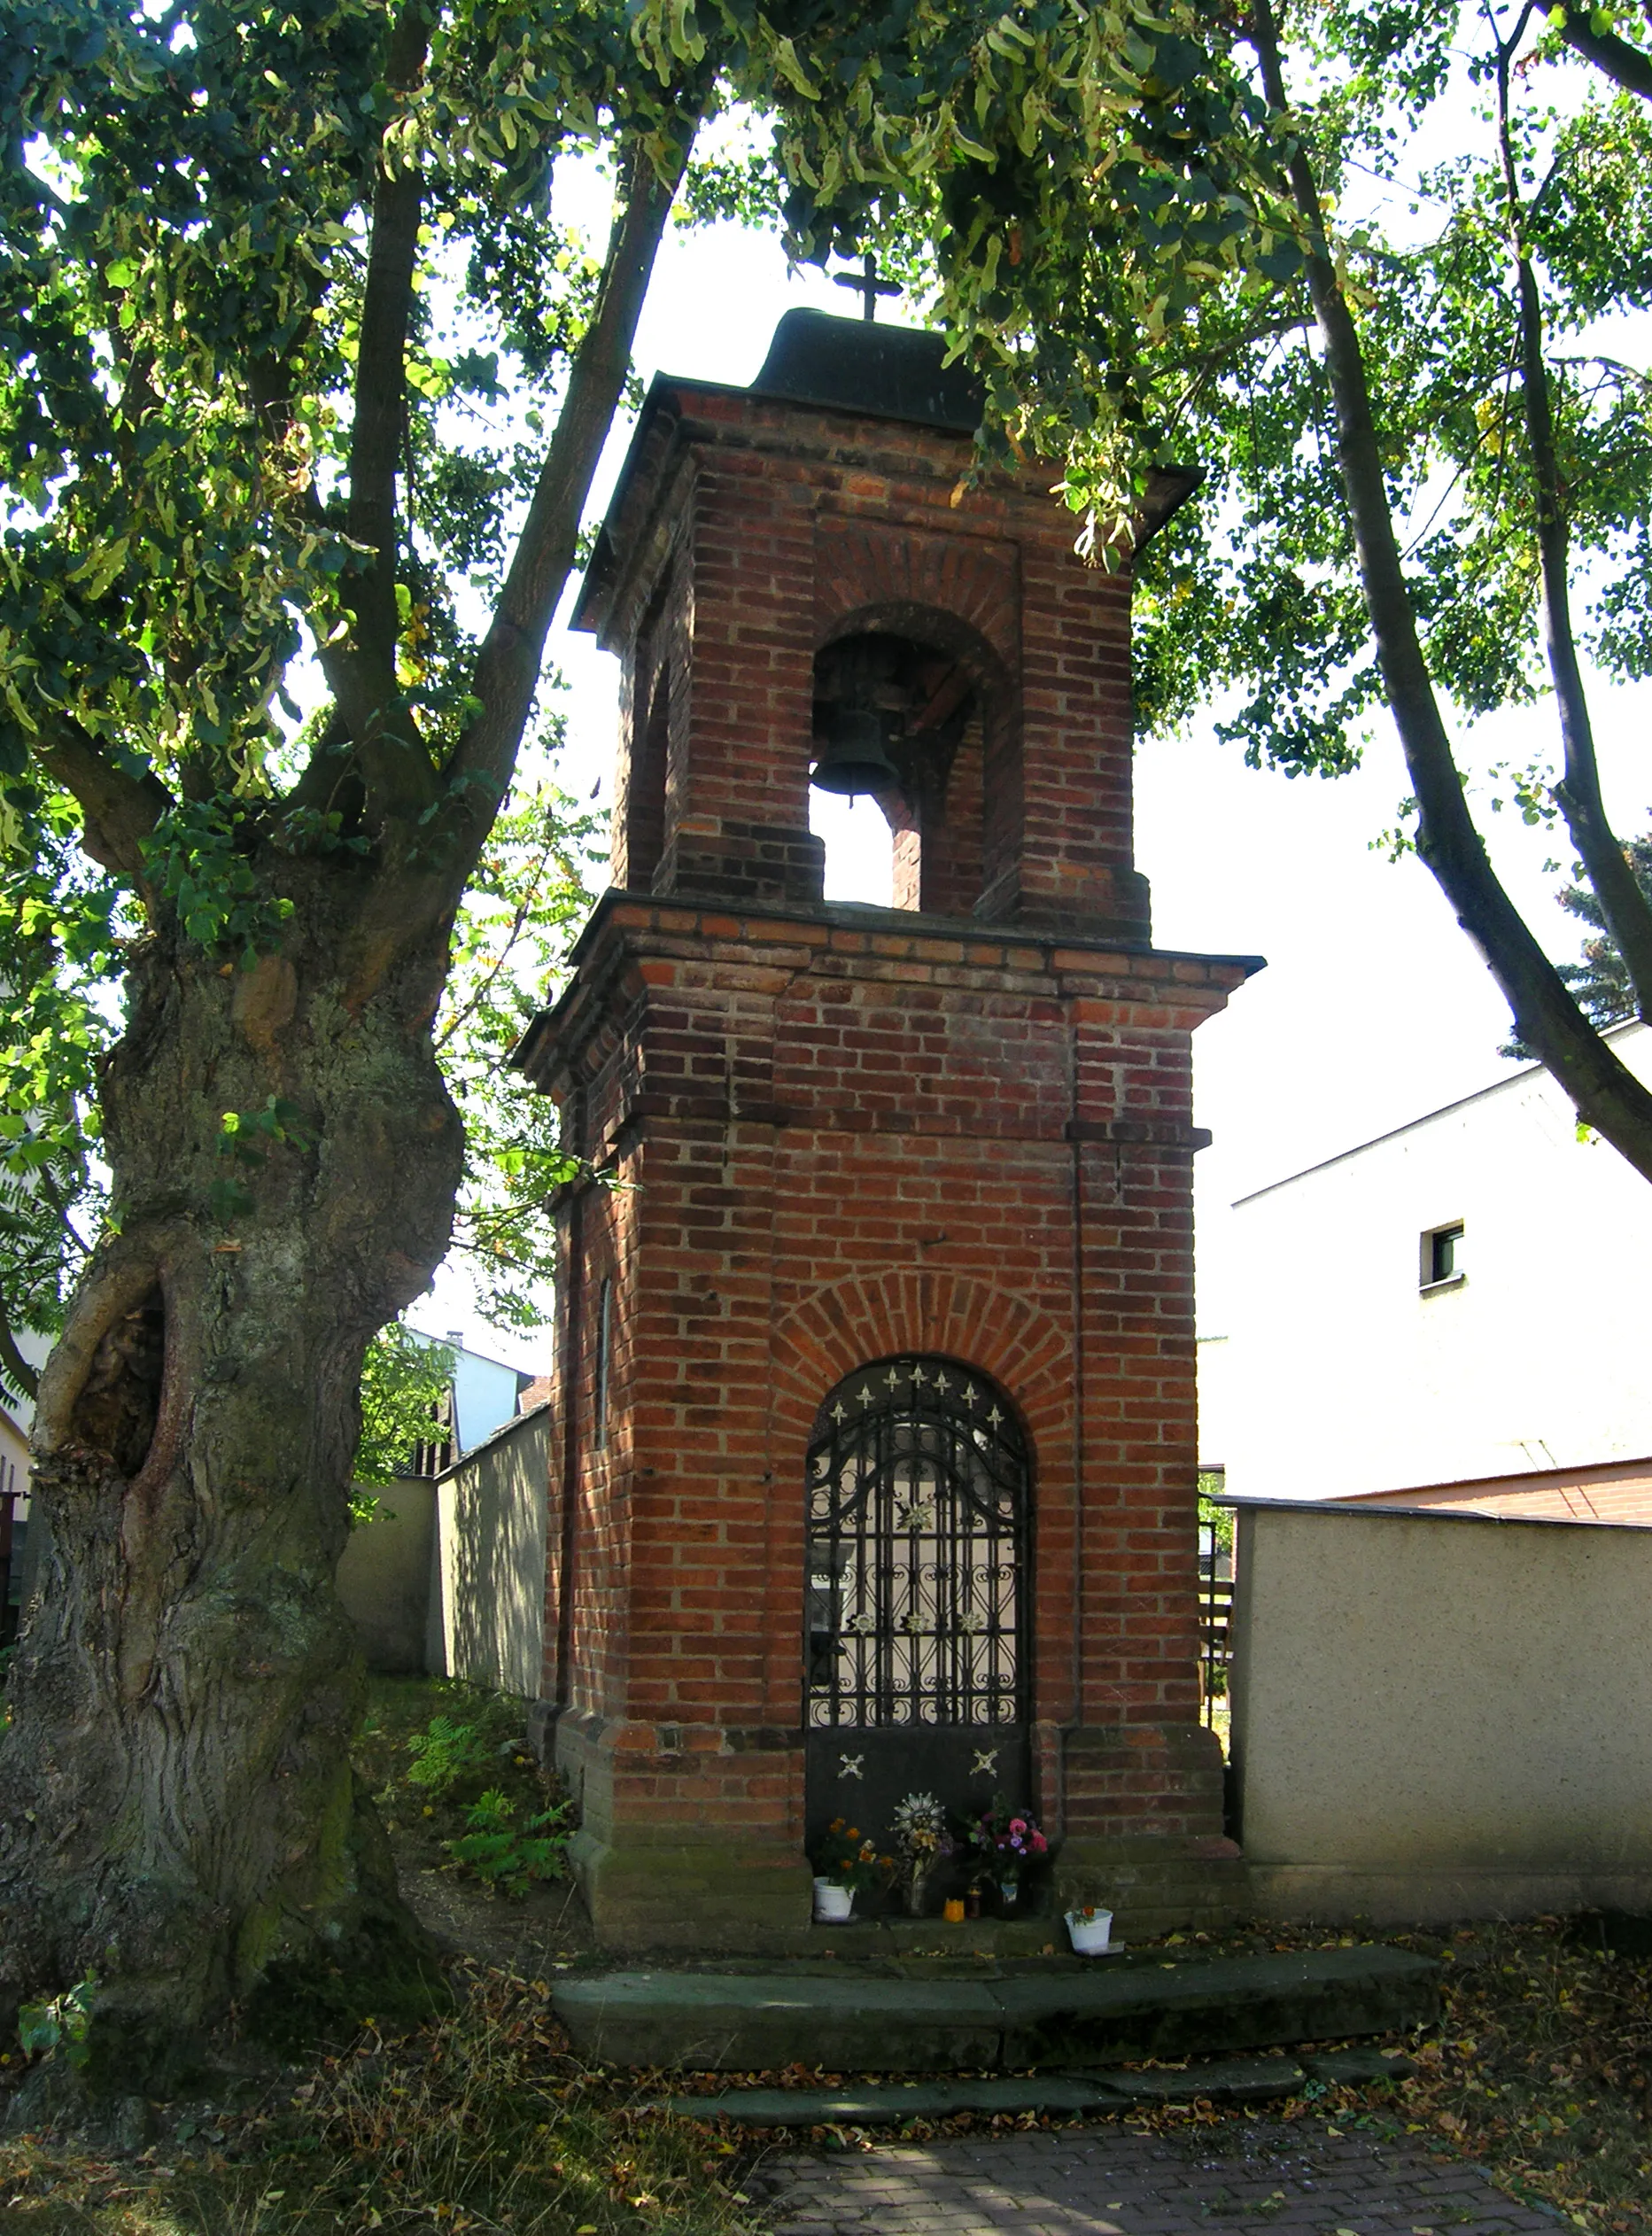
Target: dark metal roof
851	365
885	372
1359	1510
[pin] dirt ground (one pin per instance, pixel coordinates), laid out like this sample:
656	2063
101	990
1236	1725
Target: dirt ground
546	1932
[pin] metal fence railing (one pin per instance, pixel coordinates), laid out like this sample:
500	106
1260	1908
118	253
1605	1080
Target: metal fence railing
1215	1617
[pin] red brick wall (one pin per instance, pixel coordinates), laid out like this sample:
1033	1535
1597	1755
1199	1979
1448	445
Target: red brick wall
761	531
833	1145
829	1139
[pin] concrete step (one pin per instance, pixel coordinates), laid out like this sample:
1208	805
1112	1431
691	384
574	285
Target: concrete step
849	2019
1235	2080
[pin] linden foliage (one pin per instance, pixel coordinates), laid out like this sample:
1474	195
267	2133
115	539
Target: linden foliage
1274	607
285	332
184	225
1078	180
213	369
1254	585
1098	197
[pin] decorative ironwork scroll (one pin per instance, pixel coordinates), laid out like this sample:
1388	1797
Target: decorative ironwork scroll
918	1485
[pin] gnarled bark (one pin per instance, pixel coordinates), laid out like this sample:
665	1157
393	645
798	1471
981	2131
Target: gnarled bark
175	1800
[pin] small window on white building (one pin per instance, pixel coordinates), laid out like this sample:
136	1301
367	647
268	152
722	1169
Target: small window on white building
1442	1255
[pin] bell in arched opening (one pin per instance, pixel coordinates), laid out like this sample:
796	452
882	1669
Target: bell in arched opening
858	711
853	752
888	715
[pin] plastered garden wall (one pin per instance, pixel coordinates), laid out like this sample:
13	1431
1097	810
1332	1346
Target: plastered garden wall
384	1577
490	1517
449	1578
1440	1717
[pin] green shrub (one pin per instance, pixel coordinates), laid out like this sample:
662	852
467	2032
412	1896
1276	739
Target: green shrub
507	1855
62	2025
446	1754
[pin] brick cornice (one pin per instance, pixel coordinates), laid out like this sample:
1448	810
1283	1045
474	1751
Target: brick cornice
624	927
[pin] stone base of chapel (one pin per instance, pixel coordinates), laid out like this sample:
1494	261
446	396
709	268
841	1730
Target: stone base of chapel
1155	1885
647	1889
656	1875
679	1845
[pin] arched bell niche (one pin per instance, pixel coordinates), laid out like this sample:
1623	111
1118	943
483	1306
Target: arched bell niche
913	707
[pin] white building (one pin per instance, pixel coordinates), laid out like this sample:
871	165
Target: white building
1468	1296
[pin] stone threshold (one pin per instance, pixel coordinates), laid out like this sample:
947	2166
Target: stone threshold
1253	2080
1001	2019
880	1943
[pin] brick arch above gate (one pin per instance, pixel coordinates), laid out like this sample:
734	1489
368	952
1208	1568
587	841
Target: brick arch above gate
843	1324
1025	1348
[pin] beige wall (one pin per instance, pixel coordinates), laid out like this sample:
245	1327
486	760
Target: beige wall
488	1617
384	1577
1441	1717
450	1579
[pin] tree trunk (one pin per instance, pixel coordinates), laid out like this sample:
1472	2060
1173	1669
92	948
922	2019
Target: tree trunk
176	1804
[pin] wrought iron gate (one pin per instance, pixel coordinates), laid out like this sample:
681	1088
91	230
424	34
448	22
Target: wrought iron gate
916	1654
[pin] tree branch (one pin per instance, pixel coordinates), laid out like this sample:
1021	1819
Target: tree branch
1625	64
119	812
380	400
1204	362
1607	1096
346	675
508	664
396	768
1622	904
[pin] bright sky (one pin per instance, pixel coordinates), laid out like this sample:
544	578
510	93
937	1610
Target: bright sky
1374	1007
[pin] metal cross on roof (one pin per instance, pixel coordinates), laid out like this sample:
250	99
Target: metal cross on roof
866	282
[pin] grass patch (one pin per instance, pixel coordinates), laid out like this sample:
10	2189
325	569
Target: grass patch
480	2121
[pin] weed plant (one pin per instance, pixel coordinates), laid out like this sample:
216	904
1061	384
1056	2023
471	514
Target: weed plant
462	1782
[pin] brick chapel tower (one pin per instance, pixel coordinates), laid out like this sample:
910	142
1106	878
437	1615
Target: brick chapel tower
876	1445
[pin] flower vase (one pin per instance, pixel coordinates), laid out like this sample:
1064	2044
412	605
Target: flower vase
1091	1931
1010	1889
915	1893
832	1902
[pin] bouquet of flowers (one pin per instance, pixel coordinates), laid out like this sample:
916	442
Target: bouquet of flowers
1007	1842
921	1840
848	1860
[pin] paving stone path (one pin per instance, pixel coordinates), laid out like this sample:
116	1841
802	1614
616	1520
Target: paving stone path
1240	2176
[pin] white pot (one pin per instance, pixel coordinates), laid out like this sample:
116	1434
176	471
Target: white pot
1091	1935
832	1902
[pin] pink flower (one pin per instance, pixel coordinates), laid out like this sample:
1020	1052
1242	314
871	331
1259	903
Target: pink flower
1039	1844
1018	1824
